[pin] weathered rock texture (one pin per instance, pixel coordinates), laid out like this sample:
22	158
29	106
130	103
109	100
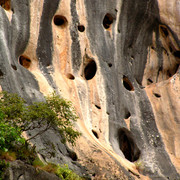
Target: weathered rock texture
21	171
118	62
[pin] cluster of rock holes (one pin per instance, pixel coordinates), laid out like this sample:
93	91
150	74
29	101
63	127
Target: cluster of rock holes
107	21
127	145
127	84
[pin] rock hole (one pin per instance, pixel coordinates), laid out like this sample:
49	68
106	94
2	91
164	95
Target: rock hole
168	73
110	64
73	155
70	76
127	115
107	21
127	84
24	61
150	80
171	49
1	73
6	4
132	57
90	70
95	134
98	107
81	28
128	145
157	95
164	30
177	54
14	67
60	20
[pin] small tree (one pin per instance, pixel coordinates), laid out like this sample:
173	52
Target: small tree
40	115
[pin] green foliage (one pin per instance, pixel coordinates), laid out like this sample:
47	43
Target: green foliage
55	112
65	173
9	136
38	163
3	166
16	116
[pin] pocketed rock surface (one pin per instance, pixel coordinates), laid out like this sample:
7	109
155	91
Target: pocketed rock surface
117	61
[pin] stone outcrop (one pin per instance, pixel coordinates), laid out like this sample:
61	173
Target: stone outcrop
21	171
118	62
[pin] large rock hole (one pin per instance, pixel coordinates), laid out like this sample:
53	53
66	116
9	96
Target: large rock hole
6	4
127	84
90	70
24	61
60	20
177	54
128	145
107	21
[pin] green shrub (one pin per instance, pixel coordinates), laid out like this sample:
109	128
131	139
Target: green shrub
9	136
62	171
3	166
55	112
65	173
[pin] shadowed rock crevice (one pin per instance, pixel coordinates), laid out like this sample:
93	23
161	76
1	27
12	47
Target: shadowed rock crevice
95	133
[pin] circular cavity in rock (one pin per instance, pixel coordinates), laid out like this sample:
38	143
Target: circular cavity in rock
177	54
110	64
157	95
6	4
70	76
81	28
127	84
24	61
107	21
14	67
1	73
128	145
90	70
127	114
60	20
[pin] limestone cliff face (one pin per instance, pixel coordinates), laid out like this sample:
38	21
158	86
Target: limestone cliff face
118	62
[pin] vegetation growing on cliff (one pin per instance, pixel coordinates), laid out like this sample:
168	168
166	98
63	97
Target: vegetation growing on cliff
16	117
54	112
